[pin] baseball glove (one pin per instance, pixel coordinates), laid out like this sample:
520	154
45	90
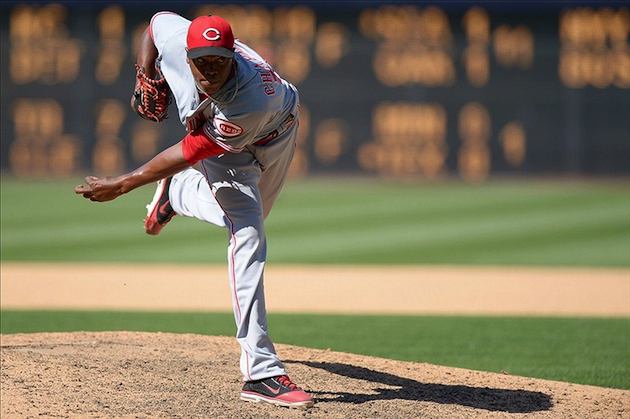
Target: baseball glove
151	97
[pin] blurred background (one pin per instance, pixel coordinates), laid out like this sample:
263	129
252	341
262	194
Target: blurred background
397	90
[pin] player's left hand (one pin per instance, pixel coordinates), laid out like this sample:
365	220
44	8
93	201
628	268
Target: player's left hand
100	189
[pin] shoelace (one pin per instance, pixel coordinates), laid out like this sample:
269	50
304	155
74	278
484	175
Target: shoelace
286	381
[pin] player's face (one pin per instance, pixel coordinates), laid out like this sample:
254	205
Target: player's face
211	72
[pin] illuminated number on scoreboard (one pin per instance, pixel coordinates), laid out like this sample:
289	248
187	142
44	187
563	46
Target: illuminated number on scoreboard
409	139
477	26
300	163
111	25
40	48
514	47
413	45
296	26
40	147
108	156
474	128
330	140
513	140
594	48
331	44
145	138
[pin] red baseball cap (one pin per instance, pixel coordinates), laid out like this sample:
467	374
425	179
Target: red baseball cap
210	35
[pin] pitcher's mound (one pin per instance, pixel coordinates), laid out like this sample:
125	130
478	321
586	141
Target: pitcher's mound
175	375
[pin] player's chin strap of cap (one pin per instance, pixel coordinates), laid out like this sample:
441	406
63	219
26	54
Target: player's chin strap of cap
284	126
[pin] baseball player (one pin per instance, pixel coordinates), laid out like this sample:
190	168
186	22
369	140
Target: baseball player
241	120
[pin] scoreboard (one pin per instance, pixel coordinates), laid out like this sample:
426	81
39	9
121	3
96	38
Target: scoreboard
409	90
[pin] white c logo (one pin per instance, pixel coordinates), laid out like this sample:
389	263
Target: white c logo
216	35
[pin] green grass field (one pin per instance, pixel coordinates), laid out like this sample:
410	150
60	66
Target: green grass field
587	351
349	221
362	221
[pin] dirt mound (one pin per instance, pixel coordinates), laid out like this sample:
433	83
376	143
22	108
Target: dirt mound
124	374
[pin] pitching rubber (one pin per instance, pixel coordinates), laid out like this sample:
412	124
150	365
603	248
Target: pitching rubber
257	398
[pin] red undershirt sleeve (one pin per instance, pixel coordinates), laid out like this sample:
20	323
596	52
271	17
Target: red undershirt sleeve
196	145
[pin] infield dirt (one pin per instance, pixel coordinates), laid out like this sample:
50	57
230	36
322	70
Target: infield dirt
123	374
463	290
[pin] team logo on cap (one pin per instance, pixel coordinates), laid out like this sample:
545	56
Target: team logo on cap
212	34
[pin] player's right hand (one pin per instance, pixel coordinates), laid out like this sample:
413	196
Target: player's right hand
100	189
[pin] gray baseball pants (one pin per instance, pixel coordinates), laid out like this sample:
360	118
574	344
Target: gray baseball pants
237	191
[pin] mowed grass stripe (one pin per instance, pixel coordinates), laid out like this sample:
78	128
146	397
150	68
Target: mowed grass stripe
125	244
410	208
611	250
350	190
68	209
502	230
328	204
504	250
485	221
103	229
340	222
472	252
420	201
466	234
76	211
342	192
325	203
75	226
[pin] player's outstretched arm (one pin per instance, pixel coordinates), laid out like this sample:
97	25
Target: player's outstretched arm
167	163
195	146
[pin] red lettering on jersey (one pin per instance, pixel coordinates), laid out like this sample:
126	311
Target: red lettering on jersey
227	128
266	77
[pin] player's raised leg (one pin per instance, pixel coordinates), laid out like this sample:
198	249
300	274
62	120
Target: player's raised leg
191	196
186	193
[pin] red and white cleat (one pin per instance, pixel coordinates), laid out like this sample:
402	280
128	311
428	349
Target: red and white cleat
278	390
159	211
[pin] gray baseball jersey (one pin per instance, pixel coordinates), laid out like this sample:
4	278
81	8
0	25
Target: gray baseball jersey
253	119
248	108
